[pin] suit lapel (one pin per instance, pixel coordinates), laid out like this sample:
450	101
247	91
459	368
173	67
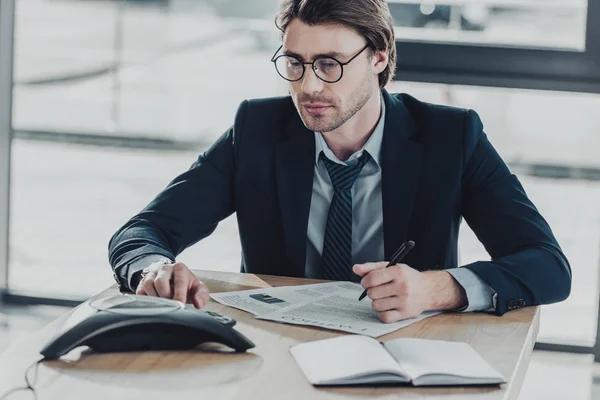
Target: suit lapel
401	164
294	169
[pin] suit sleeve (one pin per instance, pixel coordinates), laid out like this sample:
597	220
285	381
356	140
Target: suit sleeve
527	265
186	211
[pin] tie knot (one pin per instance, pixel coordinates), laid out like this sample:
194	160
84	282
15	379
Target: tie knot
343	176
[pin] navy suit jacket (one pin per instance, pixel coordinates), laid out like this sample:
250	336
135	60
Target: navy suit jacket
437	167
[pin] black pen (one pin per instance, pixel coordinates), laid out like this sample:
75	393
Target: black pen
396	258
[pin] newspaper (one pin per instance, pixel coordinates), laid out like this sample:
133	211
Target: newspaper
265	300
332	305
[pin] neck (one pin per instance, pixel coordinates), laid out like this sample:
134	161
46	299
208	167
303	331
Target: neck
352	136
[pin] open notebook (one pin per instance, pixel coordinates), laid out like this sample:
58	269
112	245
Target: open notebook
357	359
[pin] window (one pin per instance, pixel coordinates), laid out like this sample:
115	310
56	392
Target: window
111	101
561	177
532	44
550	24
549	45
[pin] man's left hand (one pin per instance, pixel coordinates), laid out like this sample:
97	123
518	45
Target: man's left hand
401	292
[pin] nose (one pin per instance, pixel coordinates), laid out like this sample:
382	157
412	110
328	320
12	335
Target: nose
310	82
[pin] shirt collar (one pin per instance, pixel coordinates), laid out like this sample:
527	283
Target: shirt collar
373	145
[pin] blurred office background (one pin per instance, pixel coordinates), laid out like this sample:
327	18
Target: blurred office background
111	99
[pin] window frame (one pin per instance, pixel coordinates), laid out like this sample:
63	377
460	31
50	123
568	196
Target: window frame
7	13
505	66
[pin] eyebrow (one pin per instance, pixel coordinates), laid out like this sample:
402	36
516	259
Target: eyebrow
332	54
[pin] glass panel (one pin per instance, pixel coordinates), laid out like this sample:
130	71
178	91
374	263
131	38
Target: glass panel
141	68
67	201
550	141
559	24
134	73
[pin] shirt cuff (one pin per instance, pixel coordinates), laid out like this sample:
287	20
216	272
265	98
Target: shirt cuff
480	296
139	264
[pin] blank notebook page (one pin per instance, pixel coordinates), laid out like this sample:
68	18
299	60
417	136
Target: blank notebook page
342	357
420	357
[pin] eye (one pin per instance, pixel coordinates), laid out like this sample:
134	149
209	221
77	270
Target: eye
327	65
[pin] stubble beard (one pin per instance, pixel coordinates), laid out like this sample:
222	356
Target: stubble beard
336	116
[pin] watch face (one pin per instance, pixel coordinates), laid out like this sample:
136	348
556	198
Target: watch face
136	305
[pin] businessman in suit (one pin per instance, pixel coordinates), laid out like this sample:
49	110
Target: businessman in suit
329	181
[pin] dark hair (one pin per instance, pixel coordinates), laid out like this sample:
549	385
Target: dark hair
369	18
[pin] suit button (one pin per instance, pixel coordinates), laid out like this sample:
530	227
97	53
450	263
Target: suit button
515	303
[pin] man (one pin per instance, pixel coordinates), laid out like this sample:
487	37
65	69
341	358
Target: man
330	181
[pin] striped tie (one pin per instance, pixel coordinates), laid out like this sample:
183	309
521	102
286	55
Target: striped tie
337	246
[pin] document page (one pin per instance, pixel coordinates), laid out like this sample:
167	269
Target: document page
266	300
346	359
422	357
332	305
340	311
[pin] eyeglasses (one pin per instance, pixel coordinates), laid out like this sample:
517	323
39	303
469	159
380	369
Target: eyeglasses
327	69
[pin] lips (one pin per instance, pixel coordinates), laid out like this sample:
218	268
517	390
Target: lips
316	109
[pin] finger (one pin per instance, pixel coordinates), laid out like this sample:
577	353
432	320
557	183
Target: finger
387	304
148	284
140	290
199	295
363	269
162	282
181	283
378	277
390	316
382	291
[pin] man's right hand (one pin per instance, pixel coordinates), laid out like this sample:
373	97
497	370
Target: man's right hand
174	281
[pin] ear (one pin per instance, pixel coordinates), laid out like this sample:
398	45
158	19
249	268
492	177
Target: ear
379	61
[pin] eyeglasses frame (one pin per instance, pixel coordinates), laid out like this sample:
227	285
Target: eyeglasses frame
312	63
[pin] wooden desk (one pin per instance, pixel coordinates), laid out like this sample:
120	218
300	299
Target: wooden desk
266	372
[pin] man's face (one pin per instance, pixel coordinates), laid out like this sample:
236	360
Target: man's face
324	106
